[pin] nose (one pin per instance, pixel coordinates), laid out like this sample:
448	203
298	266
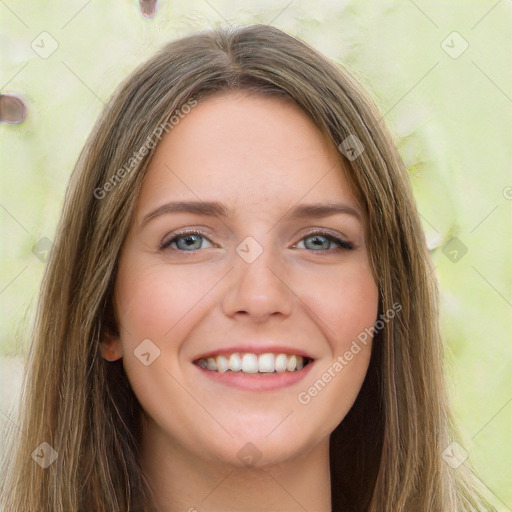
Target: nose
258	290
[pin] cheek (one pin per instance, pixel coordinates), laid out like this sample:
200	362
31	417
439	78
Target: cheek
356	314
345	303
153	300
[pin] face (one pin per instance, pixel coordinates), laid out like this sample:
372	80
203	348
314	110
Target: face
227	265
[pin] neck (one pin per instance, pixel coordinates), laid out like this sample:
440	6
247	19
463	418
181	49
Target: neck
182	481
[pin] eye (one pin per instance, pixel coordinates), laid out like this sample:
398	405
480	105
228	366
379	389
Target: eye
190	241
185	241
321	241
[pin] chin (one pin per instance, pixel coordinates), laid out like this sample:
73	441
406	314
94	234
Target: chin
260	450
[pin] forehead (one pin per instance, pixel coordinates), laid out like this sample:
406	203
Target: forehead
245	149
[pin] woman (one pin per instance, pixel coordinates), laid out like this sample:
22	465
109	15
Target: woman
194	350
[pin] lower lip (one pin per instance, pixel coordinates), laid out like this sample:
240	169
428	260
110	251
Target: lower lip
257	381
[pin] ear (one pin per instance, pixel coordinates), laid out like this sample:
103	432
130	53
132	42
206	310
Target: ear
111	347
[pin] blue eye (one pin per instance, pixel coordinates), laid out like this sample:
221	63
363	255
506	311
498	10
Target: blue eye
322	241
191	241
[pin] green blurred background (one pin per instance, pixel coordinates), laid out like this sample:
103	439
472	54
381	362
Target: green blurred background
441	75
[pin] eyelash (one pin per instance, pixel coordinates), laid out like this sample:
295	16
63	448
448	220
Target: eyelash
343	244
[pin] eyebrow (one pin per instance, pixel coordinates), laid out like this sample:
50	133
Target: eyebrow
214	209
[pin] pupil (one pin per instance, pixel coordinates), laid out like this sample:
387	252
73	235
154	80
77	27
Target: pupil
187	241
317	240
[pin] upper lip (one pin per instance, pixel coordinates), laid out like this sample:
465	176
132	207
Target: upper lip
255	348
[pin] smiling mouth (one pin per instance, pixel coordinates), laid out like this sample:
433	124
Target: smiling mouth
251	363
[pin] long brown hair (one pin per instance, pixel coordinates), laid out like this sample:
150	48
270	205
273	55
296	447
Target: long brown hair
385	455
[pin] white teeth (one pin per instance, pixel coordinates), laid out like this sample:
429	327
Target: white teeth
253	363
235	363
266	363
280	363
291	363
222	364
250	363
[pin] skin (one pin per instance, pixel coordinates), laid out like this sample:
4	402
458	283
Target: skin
259	156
